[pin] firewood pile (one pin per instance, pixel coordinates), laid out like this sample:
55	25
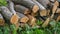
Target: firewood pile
21	12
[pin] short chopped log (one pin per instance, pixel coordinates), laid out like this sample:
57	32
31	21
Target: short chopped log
22	9
27	3
32	20
2	21
8	15
23	18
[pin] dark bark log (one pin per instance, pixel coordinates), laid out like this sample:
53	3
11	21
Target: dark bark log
32	20
27	3
8	15
2	21
22	9
22	18
11	7
44	2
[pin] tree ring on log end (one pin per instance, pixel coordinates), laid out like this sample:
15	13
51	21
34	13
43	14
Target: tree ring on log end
35	8
24	19
14	19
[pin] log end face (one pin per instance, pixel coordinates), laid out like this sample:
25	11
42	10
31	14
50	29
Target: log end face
24	19
35	8
43	13
14	19
2	22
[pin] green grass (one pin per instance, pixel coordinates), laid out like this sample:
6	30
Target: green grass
3	3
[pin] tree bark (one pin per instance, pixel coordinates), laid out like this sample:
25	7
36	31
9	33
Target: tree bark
22	9
27	3
11	7
44	2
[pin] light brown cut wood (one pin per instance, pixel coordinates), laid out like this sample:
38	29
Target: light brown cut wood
58	10
32	20
2	21
14	19
43	13
22	9
46	22
35	8
56	4
22	18
58	18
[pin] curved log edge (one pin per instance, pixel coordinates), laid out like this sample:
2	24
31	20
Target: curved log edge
23	18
